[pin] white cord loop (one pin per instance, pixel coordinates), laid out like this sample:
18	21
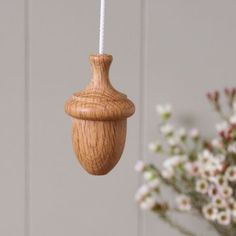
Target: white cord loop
102	23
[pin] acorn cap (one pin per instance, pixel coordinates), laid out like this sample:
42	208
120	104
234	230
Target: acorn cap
99	100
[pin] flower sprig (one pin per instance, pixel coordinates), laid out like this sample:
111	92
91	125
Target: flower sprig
201	172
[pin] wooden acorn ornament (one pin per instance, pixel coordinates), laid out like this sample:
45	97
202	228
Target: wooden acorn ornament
99	119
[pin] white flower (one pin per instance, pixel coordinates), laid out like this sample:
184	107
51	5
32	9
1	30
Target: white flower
210	212
206	174
142	192
138	197
155	146
148	203
183	158
205	157
139	166
183	203
219	202
192	168
219	180
173	141
174	161
171	162
188	166
231	203
226	191
164	111
222	127
181	133
220	158
154	183
176	150
148	175
232	148
202	186
144	189
210	168
167	173
209	164
230	173
224	217
214	164
213	191
216	143
233	119
167	129
194	133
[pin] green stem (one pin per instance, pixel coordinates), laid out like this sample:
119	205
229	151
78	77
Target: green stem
178	227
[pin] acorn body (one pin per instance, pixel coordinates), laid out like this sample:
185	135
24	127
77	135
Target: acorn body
99	116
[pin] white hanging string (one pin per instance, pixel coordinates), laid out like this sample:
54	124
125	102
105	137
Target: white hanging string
102	23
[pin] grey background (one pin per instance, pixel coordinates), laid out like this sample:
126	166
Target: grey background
164	51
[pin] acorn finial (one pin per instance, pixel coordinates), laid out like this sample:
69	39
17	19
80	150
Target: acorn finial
99	118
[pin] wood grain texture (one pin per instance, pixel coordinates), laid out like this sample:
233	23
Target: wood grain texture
98	144
99	120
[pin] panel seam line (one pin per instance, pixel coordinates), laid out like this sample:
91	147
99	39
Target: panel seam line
26	121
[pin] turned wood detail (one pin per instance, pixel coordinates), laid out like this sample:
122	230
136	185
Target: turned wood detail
99	118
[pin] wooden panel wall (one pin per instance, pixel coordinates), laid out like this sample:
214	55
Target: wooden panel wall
12	126
190	50
164	51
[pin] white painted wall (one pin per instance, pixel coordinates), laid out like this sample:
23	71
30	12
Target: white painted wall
164	50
